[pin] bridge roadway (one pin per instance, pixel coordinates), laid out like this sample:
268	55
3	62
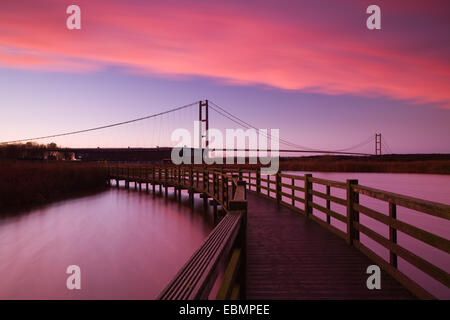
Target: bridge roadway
291	257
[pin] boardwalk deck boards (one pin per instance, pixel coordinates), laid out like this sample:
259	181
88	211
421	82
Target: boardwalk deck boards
290	257
283	249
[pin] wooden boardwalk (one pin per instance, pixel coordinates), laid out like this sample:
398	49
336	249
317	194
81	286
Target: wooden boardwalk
291	257
269	244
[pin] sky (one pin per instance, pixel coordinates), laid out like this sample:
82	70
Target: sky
310	68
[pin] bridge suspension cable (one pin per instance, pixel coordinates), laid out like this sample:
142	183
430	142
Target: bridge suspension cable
386	146
222	111
247	125
103	127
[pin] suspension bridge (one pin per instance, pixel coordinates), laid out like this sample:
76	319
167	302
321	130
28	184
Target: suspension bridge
159	126
282	236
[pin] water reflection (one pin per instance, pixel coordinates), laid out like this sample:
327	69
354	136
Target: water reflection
127	244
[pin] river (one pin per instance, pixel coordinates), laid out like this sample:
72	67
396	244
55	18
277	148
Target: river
127	245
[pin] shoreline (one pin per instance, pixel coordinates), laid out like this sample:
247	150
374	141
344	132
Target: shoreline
24	186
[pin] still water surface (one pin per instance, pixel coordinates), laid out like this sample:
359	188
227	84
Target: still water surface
127	244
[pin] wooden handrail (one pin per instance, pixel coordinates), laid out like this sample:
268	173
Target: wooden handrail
276	190
226	244
432	208
354	228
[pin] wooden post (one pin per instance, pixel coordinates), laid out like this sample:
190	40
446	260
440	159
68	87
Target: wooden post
328	204
160	181
191	187
204	179
215	212
153	180
308	195
244	241
180	170
293	192
393	234
227	193
224	190
352	214
214	183
258	181
278	187
127	181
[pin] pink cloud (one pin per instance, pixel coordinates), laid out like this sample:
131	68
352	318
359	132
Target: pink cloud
231	42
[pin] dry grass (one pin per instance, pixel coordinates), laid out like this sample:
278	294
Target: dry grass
389	164
25	184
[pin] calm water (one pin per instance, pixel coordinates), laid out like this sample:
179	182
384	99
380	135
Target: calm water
130	245
127	244
423	186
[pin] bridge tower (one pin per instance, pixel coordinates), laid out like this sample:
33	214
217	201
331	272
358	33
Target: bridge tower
204	123
377	143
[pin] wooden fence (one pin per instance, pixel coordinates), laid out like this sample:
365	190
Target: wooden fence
228	187
218	268
278	190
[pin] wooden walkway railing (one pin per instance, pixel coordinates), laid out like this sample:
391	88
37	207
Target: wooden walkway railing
226	243
225	246
276	189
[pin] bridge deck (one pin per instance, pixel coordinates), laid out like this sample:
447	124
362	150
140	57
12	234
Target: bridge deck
290	257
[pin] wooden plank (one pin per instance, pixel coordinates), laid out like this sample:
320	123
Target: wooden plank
329	227
330	183
422	235
198	275
292	187
290	196
292	176
420	263
332	213
395	273
337	200
432	208
290	257
393	234
230	276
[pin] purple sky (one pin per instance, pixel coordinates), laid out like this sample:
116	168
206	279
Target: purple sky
309	68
